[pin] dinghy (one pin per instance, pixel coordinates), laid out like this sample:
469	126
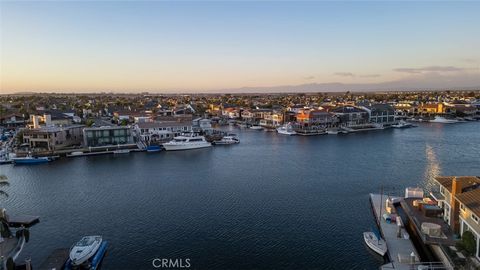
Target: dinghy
375	242
84	249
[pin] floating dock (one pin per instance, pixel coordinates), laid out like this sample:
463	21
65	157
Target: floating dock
56	259
22	220
399	249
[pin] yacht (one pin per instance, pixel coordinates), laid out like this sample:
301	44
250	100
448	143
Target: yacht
286	129
402	124
227	140
186	142
441	119
84	249
375	242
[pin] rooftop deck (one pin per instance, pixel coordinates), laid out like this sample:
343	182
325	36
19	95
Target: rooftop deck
399	249
447	238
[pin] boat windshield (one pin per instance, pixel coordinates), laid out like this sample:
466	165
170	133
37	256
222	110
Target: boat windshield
86	241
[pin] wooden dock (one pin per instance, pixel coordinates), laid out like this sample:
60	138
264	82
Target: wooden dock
399	249
22	220
55	260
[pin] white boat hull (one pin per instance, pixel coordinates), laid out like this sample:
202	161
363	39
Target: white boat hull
190	146
443	120
85	249
375	244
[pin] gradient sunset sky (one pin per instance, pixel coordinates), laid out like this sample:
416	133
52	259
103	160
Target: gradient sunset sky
169	46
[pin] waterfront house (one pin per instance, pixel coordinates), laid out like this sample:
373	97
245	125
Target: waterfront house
382	114
105	136
202	124
352	116
271	119
459	197
312	117
151	132
51	138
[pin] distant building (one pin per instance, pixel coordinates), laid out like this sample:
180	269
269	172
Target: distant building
107	136
162	131
12	120
311	117
383	114
352	116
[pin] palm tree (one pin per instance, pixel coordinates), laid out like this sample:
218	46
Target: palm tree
3	183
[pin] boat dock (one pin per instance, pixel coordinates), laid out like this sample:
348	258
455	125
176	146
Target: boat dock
399	249
56	259
22	220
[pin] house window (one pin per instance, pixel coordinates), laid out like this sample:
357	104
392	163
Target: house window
475	218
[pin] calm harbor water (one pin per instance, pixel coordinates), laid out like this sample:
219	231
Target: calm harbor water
271	202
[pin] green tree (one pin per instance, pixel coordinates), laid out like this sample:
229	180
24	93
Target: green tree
468	243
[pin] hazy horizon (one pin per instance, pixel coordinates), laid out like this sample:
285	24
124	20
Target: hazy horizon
208	47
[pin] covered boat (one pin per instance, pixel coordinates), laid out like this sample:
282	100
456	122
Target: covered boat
84	249
375	242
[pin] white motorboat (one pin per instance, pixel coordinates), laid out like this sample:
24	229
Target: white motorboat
402	124
255	127
187	141
375	242
443	120
227	140
85	249
286	129
332	132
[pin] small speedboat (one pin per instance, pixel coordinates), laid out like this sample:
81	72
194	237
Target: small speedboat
332	132
255	127
375	242
402	124
286	129
227	140
84	249
30	160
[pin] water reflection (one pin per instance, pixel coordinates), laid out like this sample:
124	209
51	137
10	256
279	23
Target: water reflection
432	169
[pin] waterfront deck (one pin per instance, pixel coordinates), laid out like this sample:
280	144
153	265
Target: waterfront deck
56	259
22	220
399	249
447	238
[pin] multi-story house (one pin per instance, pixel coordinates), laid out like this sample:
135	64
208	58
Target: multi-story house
162	131
459	197
382	114
51	138
311	117
106	136
352	116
